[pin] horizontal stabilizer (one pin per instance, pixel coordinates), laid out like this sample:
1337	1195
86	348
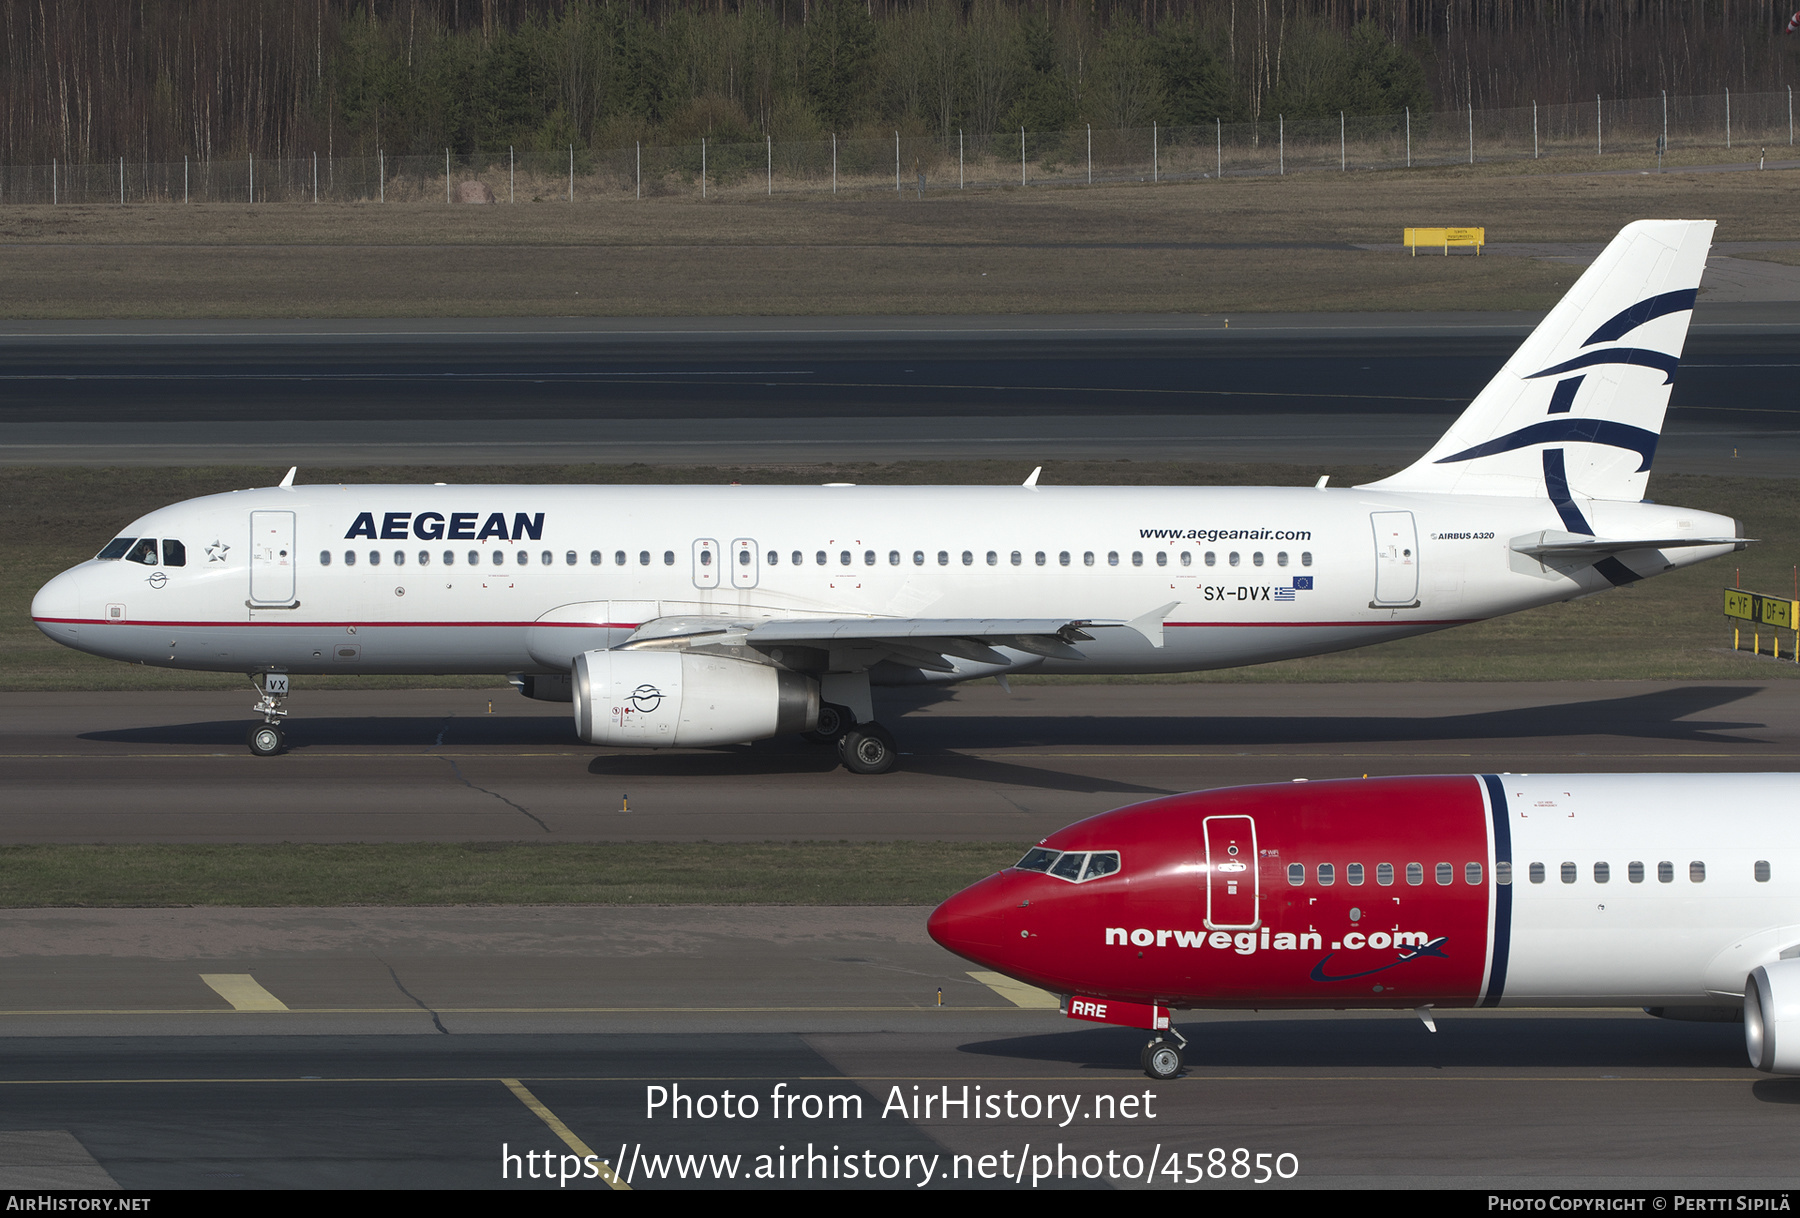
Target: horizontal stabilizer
1553	544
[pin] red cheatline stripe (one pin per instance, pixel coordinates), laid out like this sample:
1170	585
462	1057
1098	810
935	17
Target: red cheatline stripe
96	621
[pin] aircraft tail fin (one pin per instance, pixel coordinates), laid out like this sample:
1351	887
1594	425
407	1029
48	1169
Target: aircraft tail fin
1578	409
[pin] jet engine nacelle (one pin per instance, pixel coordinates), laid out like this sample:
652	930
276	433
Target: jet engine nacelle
1772	1017
678	699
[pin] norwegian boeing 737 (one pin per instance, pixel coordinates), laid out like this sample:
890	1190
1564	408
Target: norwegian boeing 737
686	616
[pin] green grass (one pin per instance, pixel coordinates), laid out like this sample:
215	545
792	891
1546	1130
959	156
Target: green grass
622	873
1670	627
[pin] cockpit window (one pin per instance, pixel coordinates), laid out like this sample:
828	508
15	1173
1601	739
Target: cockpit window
144	551
174	553
1076	866
116	547
1101	862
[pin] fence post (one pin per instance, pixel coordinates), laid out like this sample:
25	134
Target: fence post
381	172
640	169
252	177
1728	118
1534	133
1409	137
1790	90
1343	158
315	174
1155	155
834	162
184	176
771	141
896	164
959	158
572	174
1090	131
1599	146
122	184
703	167
53	180
1021	156
1471	131
1218	147
1665	139
509	173
1281	144
447	197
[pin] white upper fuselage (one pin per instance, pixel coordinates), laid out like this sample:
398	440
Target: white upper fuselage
444	579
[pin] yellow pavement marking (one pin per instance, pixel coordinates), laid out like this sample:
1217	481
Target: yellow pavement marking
607	1172
242	992
1017	992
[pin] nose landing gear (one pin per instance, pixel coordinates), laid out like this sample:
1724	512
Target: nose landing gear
1161	1058
266	739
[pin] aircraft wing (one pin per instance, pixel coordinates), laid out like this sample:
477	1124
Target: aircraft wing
922	641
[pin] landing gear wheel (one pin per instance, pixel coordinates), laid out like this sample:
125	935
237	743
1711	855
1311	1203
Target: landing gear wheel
868	748
267	739
1161	1059
834	721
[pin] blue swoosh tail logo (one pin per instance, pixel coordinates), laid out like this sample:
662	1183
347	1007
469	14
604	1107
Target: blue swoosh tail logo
1561	431
1407	956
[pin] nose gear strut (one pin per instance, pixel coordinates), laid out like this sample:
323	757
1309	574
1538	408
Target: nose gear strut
266	739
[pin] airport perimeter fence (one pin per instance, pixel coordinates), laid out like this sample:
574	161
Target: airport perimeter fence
1638	130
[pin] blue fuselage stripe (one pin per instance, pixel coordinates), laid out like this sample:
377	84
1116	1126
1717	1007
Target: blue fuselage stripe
1503	894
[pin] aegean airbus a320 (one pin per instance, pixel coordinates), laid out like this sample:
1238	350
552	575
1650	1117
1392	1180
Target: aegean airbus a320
684	616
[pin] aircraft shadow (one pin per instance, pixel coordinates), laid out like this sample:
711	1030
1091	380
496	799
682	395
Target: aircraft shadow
341	731
1657	715
1397	1041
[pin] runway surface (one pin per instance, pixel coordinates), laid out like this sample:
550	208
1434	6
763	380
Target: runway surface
1272	387
419	1046
977	764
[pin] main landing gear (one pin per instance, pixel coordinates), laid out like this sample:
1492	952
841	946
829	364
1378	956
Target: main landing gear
266	739
1161	1058
864	748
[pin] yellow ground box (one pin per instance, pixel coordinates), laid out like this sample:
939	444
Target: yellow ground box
1433	238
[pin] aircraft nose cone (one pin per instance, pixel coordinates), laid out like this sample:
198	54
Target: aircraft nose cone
973	923
57	605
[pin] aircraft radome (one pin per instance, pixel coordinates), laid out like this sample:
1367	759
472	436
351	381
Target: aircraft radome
685	616
1675	893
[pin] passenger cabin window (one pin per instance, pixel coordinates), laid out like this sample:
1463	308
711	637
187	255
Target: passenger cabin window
1502	872
595	558
1634	871
1537	873
1296	874
1568	873
1353	874
1471	874
1233	558
375	557
1327	875
1697	872
1212	559
1602	873
324	558
349	558
1446	874
1384	874
1762	871
1665	872
1306	558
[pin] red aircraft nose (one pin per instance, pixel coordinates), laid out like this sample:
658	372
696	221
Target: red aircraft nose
973	923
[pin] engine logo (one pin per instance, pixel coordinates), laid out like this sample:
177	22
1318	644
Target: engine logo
646	698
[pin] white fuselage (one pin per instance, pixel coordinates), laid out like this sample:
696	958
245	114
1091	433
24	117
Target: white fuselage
487	579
